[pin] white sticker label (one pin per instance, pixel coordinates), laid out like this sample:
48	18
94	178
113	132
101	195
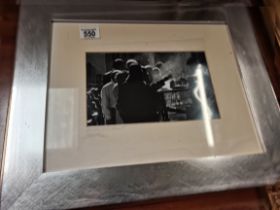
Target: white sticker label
89	32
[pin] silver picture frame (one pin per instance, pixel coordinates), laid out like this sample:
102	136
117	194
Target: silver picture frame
26	185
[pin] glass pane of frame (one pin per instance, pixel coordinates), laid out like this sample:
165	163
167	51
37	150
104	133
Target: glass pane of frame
127	94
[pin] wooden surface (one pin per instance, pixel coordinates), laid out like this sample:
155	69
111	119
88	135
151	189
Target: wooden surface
271	19
8	28
246	199
268	46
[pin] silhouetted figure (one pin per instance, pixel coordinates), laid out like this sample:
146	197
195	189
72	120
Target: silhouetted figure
130	62
156	74
94	110
137	101
118	64
120	78
147	74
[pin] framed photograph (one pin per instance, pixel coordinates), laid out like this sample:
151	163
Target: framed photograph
144	98
148	102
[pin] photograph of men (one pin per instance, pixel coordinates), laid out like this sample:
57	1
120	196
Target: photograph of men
148	87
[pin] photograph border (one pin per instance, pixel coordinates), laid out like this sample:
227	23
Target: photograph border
25	185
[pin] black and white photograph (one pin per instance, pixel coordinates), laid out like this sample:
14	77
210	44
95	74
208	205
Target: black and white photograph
142	87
